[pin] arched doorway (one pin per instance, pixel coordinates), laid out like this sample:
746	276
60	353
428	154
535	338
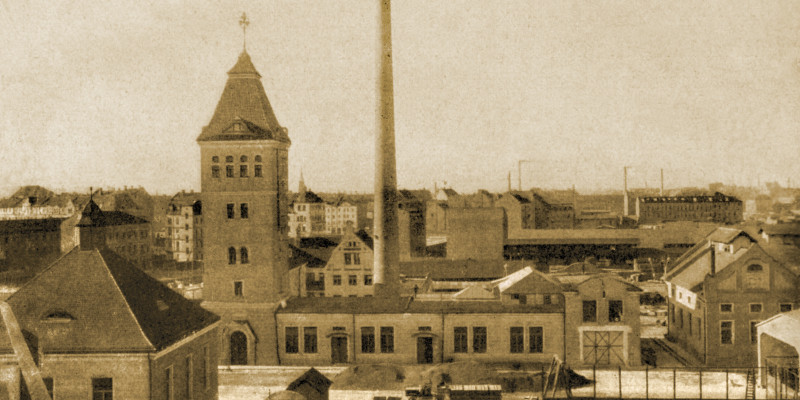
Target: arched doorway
238	348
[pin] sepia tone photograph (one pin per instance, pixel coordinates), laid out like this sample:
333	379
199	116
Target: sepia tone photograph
399	200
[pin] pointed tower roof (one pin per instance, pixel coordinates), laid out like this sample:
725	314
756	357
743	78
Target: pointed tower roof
243	111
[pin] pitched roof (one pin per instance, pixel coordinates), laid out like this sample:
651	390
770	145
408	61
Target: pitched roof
92	215
99	302
781	229
244	101
444	269
400	305
365	237
299	257
726	235
21	226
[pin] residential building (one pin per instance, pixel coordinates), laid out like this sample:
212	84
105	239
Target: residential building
244	182
35	202
308	216
125	234
98	327
717	208
720	289
788	234
348	272
528	210
184	227
339	215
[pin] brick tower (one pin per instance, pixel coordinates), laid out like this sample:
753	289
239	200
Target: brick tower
244	157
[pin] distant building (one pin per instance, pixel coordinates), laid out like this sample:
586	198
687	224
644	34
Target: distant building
307	218
100	328
34	202
476	233
184	227
31	244
788	234
717	208
528	210
348	272
339	215
722	288
125	234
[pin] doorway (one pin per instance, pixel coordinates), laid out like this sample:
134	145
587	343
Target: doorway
424	350
238	348
339	349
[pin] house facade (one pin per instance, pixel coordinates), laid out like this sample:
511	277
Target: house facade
718	208
722	288
184	219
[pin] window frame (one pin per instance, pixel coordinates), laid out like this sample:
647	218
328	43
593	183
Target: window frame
368	339
460	339
480	337
516	339
293	346
238	288
536	346
758	306
105	394
585	316
618	311
387	339
310	342
723	329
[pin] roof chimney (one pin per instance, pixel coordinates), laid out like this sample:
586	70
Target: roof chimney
386	244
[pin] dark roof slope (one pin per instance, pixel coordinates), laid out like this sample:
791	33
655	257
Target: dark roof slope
92	215
22	226
243	100
99	302
781	229
365	237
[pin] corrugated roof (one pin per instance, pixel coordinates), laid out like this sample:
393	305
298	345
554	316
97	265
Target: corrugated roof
109	305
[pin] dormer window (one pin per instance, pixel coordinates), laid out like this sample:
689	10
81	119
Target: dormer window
162	306
57	316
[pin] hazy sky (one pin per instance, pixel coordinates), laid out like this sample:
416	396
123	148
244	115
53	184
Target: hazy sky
112	93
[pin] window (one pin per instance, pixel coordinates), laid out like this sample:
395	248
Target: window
387	339
257	171
352	280
337	280
753	332
680	317
231	255
229	171
215	171
479	339
460	339
243	159
517	339
309	339
230	207
754	268
237	289
356	259
102	389
348	259
189	377
786	307
672	312
536	338
547	299
228	158
690	323
367	280
243	254
367	339
615	311
244	211
589	311
215	159
48	384
243	171
726	332
168	383
258	157
755	308
699	327
292	340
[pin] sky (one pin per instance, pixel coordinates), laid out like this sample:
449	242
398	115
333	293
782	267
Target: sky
115	93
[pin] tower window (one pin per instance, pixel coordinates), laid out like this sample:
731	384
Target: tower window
244	257
243	171
230	210
228	158
231	255
243	210
243	159
215	171
258	157
238	291
257	171
215	159
102	388
229	171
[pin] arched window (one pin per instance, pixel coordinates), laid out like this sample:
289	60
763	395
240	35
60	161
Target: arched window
231	255
243	253
215	159
228	158
754	268
243	159
258	157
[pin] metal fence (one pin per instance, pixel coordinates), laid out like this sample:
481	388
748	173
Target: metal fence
772	382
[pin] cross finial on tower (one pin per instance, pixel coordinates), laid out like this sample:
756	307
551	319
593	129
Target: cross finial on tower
244	23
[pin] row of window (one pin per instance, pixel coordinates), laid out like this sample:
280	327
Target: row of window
258	171
614	311
352	280
726	335
244	210
103	388
243	255
518	344
754	307
229	159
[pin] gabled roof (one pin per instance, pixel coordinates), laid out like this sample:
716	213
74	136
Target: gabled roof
99	302
92	215
308	197
299	257
727	235
243	111
365	237
316	379
528	281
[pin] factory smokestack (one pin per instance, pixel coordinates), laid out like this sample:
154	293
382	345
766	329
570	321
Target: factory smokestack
625	191
661	192
386	246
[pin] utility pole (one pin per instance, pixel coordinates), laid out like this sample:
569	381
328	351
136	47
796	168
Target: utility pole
661	192
625	191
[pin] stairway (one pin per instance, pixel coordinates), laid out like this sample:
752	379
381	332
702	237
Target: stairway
750	392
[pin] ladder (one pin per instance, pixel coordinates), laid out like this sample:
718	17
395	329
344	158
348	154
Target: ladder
30	371
750	392
556	371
